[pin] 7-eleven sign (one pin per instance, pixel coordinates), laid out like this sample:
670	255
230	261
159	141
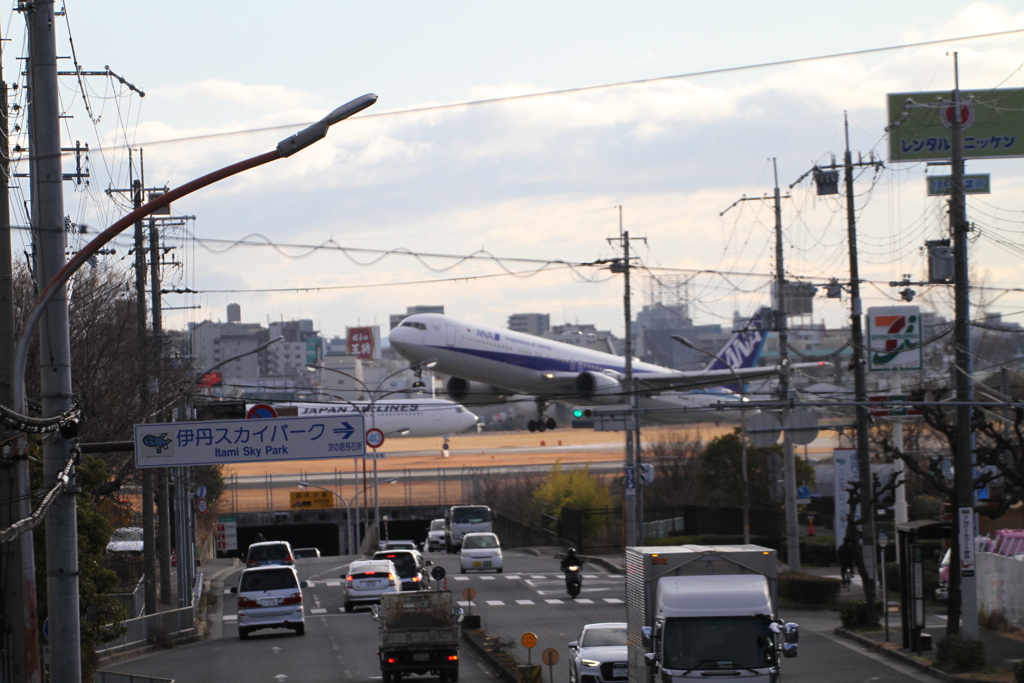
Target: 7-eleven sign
894	338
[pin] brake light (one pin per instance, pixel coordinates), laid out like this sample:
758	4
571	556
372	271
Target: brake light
391	579
392	660
453	658
416	579
246	602
293	599
348	581
289	559
369	573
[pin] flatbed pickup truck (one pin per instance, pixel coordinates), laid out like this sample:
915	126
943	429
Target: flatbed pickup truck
419	634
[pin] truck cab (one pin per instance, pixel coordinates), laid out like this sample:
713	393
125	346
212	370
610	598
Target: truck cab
464	519
694	612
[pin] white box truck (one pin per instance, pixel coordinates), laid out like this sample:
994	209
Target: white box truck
694	612
464	519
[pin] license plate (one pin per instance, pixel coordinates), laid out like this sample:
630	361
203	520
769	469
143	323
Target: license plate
620	671
267	602
478	564
420	656
371	584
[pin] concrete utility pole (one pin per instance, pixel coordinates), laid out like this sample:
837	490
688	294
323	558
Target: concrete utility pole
963	593
782	325
49	235
631	459
20	627
156	349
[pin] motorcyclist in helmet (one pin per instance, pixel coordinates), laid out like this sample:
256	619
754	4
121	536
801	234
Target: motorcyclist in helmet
571	559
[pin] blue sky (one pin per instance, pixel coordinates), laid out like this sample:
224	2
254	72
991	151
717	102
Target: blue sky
538	178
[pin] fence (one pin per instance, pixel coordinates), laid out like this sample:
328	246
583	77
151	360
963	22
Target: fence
133	603
152	628
603	529
1001	586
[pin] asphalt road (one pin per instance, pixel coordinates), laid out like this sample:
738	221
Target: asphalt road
529	596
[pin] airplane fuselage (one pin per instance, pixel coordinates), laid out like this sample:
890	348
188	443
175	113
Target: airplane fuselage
400	417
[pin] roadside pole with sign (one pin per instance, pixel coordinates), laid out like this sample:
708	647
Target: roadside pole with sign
883	541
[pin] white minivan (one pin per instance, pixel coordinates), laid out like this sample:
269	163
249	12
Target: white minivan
270	597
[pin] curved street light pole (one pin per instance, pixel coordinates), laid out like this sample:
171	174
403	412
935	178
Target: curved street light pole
428	363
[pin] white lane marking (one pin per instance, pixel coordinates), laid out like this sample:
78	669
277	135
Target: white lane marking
310	584
585	601
525	602
463	603
230	617
487	578
537	576
554	601
495	603
590	576
318	610
462	578
512	576
332	583
613	601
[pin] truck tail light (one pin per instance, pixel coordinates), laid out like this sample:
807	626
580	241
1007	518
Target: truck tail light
392	660
453	658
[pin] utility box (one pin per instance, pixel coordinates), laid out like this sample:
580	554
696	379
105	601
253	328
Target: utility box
941	266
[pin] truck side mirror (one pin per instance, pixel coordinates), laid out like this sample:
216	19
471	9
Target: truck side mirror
792	633
651	658
789	650
647	635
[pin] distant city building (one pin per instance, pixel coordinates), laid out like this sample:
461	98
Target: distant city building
530	323
396	318
586	336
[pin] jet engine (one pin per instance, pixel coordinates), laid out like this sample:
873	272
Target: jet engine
598	388
473	393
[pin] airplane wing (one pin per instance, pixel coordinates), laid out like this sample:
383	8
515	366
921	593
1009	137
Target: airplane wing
712	378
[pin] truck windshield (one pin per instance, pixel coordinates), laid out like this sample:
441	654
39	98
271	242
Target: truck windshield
718	643
471	515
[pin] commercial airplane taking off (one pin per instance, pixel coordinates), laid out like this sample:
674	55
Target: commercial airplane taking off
488	364
399	417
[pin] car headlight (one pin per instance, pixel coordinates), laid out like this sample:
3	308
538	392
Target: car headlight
590	662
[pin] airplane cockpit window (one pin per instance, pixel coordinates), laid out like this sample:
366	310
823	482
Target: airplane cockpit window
418	326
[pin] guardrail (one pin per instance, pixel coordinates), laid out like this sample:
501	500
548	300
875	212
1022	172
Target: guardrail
115	677
152	628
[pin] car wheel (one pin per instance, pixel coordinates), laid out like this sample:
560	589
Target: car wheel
453	675
443	676
348	607
243	633
386	675
300	630
463	569
500	570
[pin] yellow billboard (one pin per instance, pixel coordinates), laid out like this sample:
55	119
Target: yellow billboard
323	500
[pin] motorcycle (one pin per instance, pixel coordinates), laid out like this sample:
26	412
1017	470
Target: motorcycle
573	580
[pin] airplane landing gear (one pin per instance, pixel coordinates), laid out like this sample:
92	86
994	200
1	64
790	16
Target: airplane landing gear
541	423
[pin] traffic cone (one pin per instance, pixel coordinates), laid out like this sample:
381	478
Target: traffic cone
810	526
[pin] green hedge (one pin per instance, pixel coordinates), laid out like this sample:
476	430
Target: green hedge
808	589
853	614
957	655
1018	671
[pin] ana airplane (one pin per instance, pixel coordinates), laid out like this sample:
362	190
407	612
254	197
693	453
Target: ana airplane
488	365
399	417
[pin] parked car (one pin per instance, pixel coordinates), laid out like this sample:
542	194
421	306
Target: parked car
481	551
435	537
367	580
269	552
126	540
269	597
599	655
307	552
410	565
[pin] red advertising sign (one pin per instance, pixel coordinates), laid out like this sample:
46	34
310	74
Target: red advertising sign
360	342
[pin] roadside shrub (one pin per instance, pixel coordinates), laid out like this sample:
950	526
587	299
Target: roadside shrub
956	655
818	551
808	589
1018	671
853	614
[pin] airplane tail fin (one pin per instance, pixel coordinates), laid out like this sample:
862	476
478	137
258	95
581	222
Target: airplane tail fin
743	349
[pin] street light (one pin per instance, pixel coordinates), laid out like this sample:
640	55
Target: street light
376	486
369	408
743	431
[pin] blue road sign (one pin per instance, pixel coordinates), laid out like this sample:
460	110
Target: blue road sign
220	442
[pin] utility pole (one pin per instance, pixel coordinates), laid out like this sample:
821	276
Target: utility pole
156	349
20	628
50	238
963	594
631	460
782	325
857	360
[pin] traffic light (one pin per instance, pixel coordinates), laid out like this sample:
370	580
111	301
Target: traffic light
582	413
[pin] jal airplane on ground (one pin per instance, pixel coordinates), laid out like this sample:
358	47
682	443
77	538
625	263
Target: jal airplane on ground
399	417
488	365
